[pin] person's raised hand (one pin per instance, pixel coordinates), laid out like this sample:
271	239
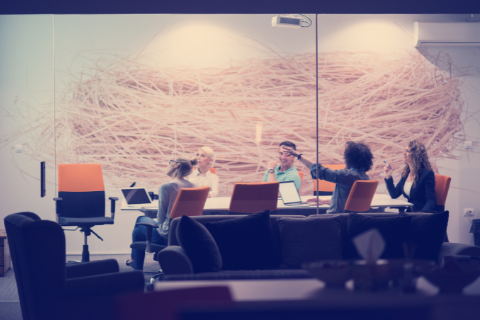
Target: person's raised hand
388	170
289	151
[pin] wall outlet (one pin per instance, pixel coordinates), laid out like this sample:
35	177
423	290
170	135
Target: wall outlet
469	212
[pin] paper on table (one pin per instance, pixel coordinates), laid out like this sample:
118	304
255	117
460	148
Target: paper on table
370	245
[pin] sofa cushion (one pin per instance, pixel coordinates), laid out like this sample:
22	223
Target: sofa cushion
245	243
310	239
427	234
394	230
199	245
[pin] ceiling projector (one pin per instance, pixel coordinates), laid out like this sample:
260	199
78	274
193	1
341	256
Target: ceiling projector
288	21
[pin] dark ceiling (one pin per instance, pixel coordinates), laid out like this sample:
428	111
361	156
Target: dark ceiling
236	6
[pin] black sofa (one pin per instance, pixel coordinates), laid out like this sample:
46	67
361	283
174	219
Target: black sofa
422	231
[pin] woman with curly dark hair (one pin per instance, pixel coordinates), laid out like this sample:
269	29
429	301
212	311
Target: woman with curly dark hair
358	160
418	180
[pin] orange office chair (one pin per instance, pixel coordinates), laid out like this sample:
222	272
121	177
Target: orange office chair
325	188
442	184
254	197
81	199
301	175
190	202
361	195
212	170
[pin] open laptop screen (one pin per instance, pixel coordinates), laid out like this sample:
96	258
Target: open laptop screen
136	196
289	192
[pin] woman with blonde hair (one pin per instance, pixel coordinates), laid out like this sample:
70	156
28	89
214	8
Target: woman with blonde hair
178	169
417	183
202	176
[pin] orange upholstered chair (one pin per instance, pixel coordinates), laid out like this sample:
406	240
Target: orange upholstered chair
81	199
254	197
361	195
301	175
190	202
442	185
325	188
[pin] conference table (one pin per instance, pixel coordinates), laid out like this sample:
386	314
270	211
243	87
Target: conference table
220	205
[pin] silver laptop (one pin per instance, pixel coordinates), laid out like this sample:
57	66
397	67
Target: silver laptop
136	196
289	193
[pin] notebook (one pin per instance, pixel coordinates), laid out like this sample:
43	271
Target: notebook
289	193
135	196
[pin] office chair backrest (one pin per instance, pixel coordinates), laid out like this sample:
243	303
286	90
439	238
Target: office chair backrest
212	170
82	190
301	175
190	202
37	248
326	186
361	195
254	197
442	185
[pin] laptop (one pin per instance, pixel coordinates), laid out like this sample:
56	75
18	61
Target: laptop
136	196
289	194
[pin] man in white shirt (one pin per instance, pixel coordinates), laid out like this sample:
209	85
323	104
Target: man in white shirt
202	176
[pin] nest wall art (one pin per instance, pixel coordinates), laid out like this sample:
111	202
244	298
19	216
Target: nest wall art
132	118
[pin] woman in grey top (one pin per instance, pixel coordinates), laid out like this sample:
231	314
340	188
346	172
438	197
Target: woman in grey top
178	169
358	160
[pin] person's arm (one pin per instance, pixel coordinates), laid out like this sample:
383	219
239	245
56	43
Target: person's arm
270	174
394	191
306	162
214	188
431	201
162	204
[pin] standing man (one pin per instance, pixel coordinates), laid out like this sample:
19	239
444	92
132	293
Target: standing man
358	160
286	171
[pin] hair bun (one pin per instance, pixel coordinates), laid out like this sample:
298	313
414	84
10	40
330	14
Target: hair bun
194	161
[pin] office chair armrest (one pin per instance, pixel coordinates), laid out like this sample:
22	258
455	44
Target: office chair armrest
151	213
112	206
174	260
148	224
58	206
92	268
112	284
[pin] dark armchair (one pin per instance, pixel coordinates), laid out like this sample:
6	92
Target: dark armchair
47	288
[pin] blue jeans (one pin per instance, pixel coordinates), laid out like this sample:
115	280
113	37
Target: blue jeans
140	234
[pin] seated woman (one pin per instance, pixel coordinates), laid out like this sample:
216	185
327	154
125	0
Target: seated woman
358	160
203	177
178	169
418	180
